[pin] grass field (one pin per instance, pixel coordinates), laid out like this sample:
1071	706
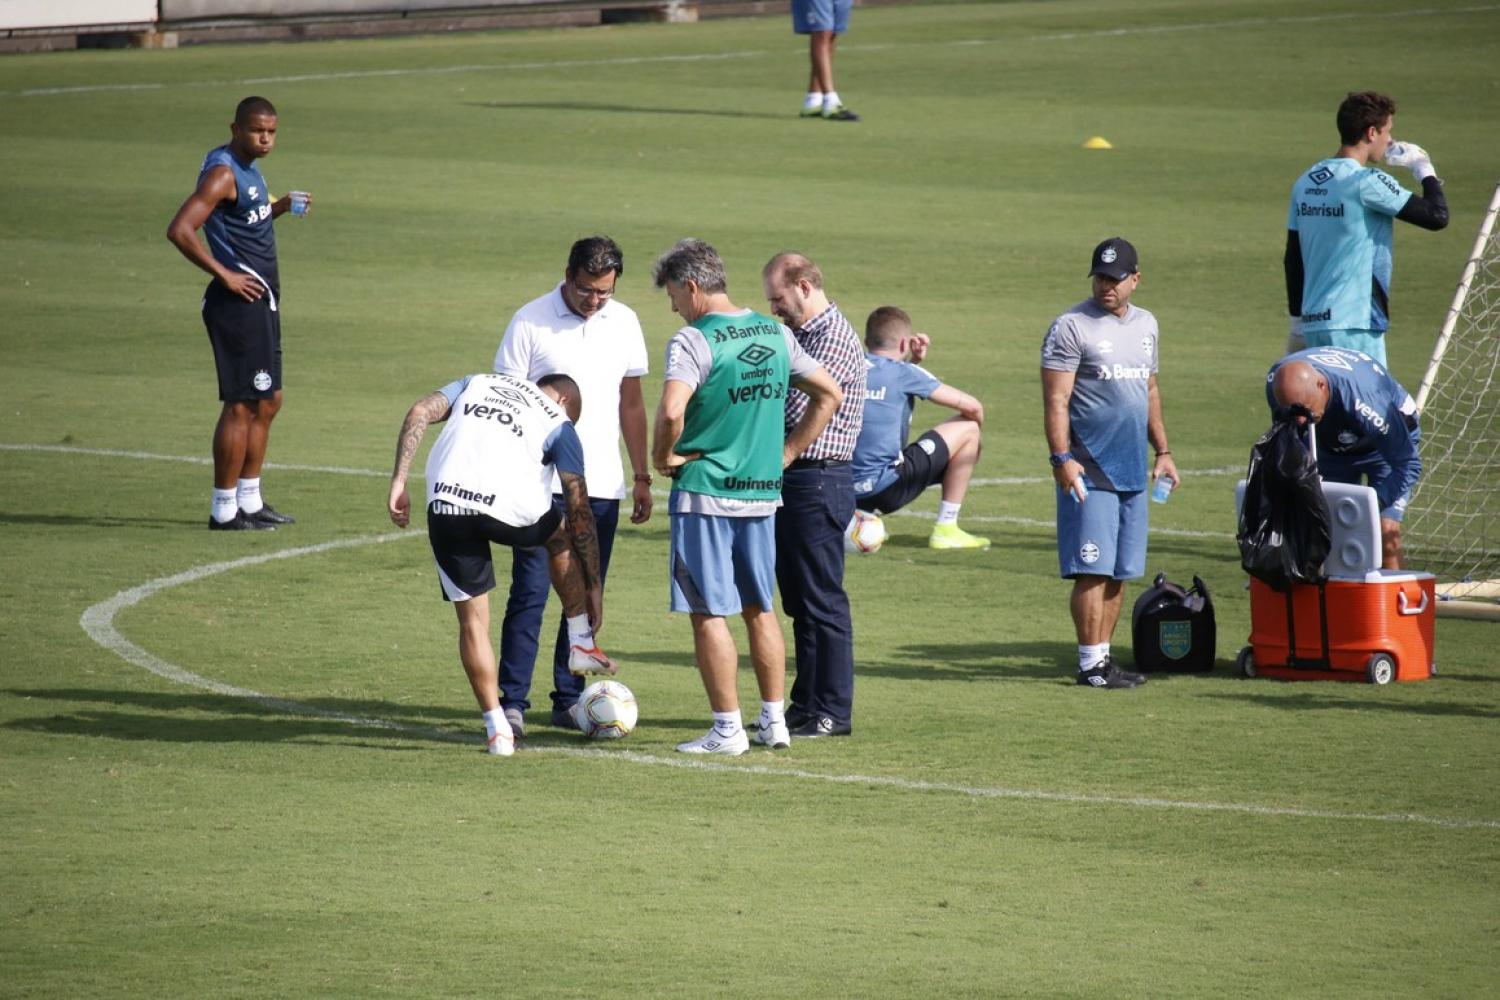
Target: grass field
247	766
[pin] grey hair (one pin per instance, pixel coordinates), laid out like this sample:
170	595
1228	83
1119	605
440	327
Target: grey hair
691	260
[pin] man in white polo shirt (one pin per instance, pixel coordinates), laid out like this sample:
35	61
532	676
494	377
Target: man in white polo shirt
580	330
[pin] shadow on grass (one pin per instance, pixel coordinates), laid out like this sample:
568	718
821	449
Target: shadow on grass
100	521
234	719
1315	701
596	107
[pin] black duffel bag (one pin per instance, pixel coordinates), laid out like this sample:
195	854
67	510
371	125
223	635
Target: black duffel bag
1173	629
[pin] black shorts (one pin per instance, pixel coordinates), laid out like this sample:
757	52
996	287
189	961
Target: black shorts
246	337
461	545
923	463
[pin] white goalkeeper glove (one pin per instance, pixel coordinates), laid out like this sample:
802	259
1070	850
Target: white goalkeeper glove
1411	156
1295	341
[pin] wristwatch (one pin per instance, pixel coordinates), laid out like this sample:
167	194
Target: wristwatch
1060	458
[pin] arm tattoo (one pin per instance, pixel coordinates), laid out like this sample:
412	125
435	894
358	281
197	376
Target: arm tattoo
427	410
581	527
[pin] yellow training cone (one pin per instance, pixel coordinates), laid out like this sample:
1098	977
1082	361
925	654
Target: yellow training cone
1098	142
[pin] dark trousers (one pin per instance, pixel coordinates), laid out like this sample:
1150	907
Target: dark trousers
520	634
817	503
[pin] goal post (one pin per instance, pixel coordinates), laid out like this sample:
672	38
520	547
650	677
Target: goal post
1452	526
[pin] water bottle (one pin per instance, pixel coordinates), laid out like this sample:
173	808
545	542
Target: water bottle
1162	491
299	202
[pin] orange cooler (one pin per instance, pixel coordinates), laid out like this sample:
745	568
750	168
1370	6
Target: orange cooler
1377	629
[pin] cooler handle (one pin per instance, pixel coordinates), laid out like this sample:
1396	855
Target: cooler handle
1401	603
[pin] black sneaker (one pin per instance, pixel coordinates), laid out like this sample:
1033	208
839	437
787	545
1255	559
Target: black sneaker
820	727
1130	675
270	515
1107	675
240	523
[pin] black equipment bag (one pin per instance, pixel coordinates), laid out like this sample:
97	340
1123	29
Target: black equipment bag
1173	629
1283	529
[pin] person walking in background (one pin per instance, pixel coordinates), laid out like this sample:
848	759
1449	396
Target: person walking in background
823	21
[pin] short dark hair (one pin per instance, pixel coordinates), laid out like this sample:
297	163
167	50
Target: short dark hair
253	106
691	260
881	327
790	268
1363	111
566	387
595	256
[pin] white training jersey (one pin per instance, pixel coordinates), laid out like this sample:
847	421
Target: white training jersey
496	453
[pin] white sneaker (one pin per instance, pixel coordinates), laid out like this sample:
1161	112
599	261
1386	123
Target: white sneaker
772	734
501	744
715	742
590	661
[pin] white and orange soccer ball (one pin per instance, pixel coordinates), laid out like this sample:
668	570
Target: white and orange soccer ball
606	710
865	533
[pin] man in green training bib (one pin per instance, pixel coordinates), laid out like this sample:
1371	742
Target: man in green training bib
720	438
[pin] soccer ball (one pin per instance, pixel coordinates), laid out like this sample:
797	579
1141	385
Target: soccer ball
865	533
606	710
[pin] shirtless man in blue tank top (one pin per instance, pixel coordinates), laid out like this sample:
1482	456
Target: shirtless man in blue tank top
241	308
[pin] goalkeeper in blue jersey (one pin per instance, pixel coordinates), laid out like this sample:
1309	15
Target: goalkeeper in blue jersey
1366	425
1338	241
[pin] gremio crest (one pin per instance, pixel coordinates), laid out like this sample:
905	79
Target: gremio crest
1176	639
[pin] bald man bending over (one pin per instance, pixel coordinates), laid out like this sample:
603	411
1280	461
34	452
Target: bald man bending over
1366	426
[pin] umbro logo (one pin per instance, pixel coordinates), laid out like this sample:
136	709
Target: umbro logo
755	355
514	395
1321	176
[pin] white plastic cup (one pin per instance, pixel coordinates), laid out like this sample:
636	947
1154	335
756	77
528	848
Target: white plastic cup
1162	491
299	202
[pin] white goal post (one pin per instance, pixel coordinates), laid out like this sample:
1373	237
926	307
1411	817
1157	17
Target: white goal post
1452	526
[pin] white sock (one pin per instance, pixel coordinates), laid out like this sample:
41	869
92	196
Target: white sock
771	711
579	633
249	495
1090	657
728	723
948	512
495	722
830	100
814	100
224	506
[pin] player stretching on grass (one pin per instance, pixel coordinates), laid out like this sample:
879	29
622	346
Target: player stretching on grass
889	473
489	479
1338	240
241	308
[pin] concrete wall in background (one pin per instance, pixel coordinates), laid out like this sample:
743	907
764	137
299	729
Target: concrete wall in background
20	14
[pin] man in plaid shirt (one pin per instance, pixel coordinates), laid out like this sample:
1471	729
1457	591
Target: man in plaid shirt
817	503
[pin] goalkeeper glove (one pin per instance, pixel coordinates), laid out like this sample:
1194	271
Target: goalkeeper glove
1411	156
1295	341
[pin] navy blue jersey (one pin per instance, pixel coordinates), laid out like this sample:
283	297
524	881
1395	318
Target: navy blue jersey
240	236
1368	412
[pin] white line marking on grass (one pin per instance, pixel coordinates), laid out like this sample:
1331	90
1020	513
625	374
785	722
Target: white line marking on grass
98	622
60	449
1062	36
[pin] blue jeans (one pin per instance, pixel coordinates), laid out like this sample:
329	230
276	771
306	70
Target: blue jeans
520	634
817	504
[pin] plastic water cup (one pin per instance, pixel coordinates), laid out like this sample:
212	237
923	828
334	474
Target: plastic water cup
1162	491
299	202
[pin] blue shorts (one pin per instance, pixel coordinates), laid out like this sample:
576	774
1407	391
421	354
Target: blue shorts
721	565
1371	342
1103	536
820	15
1356	469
